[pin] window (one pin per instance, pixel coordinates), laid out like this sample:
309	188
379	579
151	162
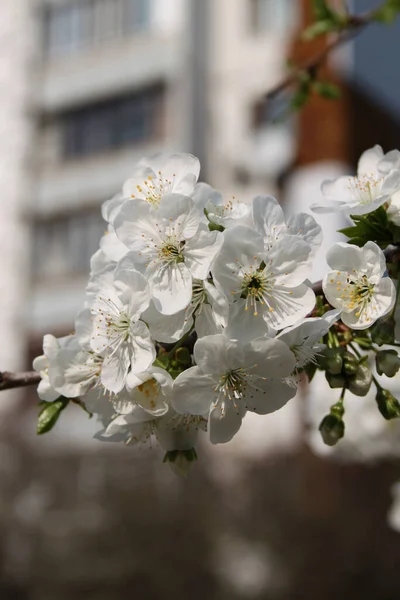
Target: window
114	124
77	24
64	245
273	15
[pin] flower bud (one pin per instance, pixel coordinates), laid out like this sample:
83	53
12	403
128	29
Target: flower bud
360	383
388	405
335	381
332	426
382	332
331	360
387	362
180	461
350	364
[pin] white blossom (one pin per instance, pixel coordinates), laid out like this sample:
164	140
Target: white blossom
161	174
230	378
269	222
268	281
118	331
364	193
168	245
357	285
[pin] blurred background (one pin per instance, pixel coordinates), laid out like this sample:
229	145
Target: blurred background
87	88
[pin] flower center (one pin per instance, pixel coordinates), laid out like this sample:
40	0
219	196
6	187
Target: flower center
256	287
171	251
357	294
154	188
231	386
150	390
365	188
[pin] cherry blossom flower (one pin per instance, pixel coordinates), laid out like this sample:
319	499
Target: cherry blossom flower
169	246
230	378
364	193
357	286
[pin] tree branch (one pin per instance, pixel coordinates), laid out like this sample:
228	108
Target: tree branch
9	380
354	24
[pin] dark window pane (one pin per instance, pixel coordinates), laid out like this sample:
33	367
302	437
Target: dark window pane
113	124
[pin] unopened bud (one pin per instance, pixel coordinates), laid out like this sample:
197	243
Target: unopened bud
331	360
360	383
180	461
387	362
332	426
388	405
350	364
335	381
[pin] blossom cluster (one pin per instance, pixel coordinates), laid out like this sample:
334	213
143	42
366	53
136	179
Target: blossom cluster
199	309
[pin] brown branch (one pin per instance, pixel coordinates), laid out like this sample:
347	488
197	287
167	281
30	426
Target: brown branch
9	380
355	23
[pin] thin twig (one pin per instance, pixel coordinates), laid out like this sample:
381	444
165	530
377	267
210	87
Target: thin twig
354	25
9	380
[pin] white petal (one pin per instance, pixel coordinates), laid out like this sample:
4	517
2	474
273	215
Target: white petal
46	391
132	289
167	328
306	227
242	247
288	306
115	369
244	325
142	348
290	259
170	286
193	392
181	215
338	189
346	257
269	358
267	214
391	183
223	425
368	162
201	250
135	224
266	396
217	354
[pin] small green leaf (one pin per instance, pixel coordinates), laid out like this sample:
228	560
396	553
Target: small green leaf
388	12
318	28
322	10
327	90
49	414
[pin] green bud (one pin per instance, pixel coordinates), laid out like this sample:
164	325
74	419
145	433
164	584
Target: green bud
180	461
360	383
350	364
387	362
382	332
388	405
331	361
335	381
332	426
182	356
49	414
